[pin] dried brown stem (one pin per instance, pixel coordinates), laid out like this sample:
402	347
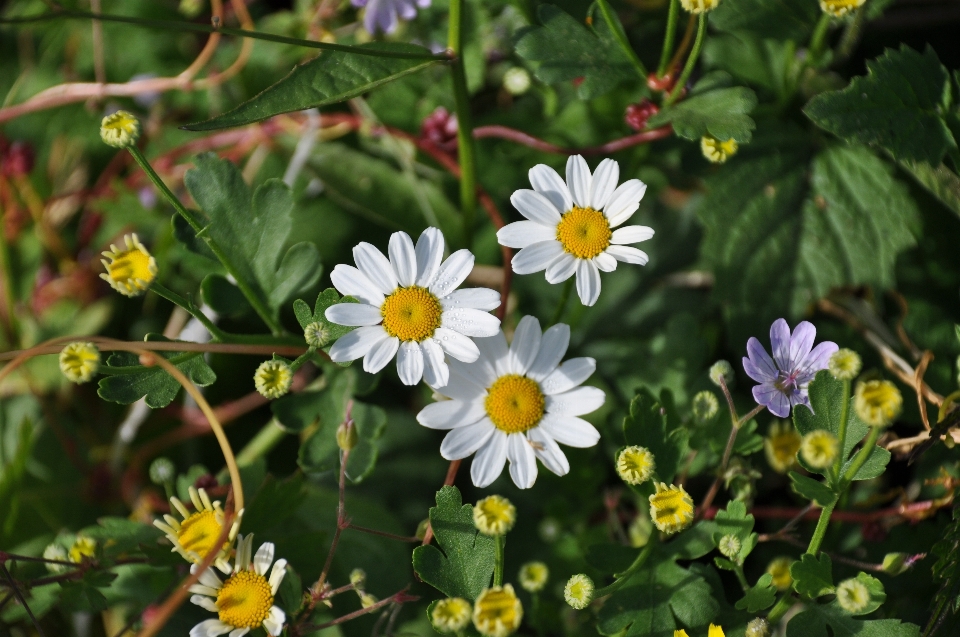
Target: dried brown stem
400	597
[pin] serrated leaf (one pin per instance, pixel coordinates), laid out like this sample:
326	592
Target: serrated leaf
566	50
653	424
778	19
463	564
760	596
735	521
306	316
812	576
812	490
940	181
332	77
813	622
720	111
223	297
152	383
897	106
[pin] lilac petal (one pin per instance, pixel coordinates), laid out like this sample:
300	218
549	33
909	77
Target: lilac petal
760	362
801	342
801	398
815	361
773	399
780	344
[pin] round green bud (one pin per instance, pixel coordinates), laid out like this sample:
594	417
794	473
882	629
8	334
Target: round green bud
162	471
729	545
347	436
705	407
722	369
758	627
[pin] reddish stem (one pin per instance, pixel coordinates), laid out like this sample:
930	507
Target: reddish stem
504	132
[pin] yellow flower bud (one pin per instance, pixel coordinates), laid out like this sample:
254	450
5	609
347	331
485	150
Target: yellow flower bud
129	271
578	592
780	570
635	465
699	6
844	364
533	576
716	151
273	378
781	446
671	508
120	130
79	361
853	595
820	448
494	515
840	8
497	611
877	402
451	615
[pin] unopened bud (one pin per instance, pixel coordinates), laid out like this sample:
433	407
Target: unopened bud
705	407
422	529
730	545
516	81
120	130
896	563
721	369
347	436
162	471
357	577
758	627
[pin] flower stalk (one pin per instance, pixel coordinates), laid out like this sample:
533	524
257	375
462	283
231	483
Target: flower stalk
691	61
465	144
669	37
621	38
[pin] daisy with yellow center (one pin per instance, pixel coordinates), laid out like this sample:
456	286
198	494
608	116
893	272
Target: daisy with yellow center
516	404
497	611
781	445
671	508
410	308
635	465
533	576
840	8
244	600
779	569
196	534
130	271
494	515
717	151
819	448
273	379
120	129
571	227
79	361
451	615
877	402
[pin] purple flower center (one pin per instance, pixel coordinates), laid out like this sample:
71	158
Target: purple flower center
787	381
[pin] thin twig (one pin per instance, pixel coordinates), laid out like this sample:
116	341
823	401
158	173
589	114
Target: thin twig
392	536
23	602
525	139
400	597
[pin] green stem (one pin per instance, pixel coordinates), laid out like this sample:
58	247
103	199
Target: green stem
617	30
819	38
498	565
562	303
303	358
265	440
741	578
176	299
465	144
624	577
861	458
780	609
162	187
691	61
842	430
7	281
669	37
821	530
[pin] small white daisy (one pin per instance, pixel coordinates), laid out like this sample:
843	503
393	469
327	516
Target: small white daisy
410	307
570	226
244	600
516	403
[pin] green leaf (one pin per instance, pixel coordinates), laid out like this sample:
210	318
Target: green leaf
735	521
812	490
120	535
712	109
812	577
940	181
751	59
252	230
224	297
813	622
567	50
159	388
290	593
332	77
760	596
654	424
897	105
306	316
777	19
463	564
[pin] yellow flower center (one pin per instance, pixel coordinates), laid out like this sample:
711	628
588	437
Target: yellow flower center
244	600
411	314
497	611
130	267
671	508
198	533
780	570
635	465
494	515
839	8
878	402
782	447
584	232
514	403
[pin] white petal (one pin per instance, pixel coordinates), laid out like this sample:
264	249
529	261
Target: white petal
525	346
631	234
605	262
569	375
403	258
263	559
210	628
375	266
477	298
548	183
350	281
562	268
353	314
450	414
548	451
463	387
470	322
493	350
576	402
570	430
452	273
357	344
204	602
604	183
553	347
488	463
536	207
536	257
480	373
244	552
523	462
429	252
381	354
588	282
456	345
200	589
277	574
239	632
207	578
579	180
435	371
625	201
410	363
274	621
463	441
520	234
628	254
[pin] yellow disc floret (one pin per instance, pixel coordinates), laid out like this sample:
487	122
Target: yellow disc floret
494	515
515	403
451	615
82	547
244	600
578	592
781	446
853	595
715	150
699	6
584	232
840	8
79	361
497	611
129	271
877	402
199	532
120	130
779	569
820	448
671	508
635	465
411	314
844	364
533	576
273	379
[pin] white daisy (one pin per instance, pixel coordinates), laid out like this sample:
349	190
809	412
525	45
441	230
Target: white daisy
195	535
244	600
516	403
410	307
569	227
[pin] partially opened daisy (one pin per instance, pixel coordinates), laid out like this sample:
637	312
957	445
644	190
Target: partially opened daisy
410	307
196	534
570	226
784	378
243	601
516	403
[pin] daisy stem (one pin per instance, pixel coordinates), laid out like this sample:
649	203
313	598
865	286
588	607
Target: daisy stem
624	577
861	458
819	38
562	303
821	530
617	30
691	61
176	299
498	565
265	440
669	37
842	430
465	144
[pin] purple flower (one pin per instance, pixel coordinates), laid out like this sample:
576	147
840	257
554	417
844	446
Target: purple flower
383	15
784	378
